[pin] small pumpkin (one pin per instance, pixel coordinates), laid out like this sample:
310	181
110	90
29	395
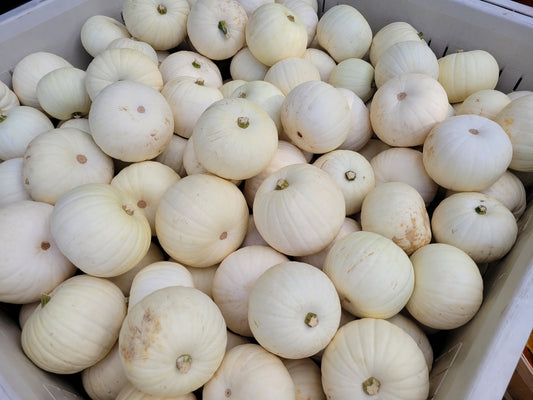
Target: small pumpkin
98	31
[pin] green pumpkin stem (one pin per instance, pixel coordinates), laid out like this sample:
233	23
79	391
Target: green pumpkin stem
224	28
481	209
311	319
282	184
45	298
183	363
243	122
196	64
161	9
371	386
3	117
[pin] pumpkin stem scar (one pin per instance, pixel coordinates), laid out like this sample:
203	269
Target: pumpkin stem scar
243	122
183	363
371	386
481	209
350	175
161	9
281	184
311	319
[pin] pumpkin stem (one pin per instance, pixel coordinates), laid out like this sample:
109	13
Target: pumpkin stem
290	18
242	95
200	82
127	209
161	9
371	386
224	28
350	175
3	117
281	184
421	35
183	363
196	64
481	209
77	115
243	122
311	320
45	298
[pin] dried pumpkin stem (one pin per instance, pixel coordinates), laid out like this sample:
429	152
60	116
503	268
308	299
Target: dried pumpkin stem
290	18
371	386
127	209
200	82
183	363
161	9
45	298
224	28
243	122
481	209
311	319
282	184
350	175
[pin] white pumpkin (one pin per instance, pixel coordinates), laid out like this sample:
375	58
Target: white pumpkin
134	43
98	31
121	64
299	209
321	60
517	122
234	279
402	164
230	86
316	117
201	219
267	95
172	341
405	108
448	287
235	138
487	103
356	75
415	331
373	276
157	276
253	237
352	172
123	281
248	371
477	224
162	24
372	148
78	123
216	28
274	32
294	323
344	32
32	263
465	72
251	5
61	159
288	73
515	94
188	97
286	154
131	121
378	359
146	182
26	310
404	57
190	63
105	379
305	374
130	392
244	66
466	152
100	229
360	131
397	211
203	278
317	260
173	155
11	185
8	98
18	127
307	14
510	191
390	34
76	326
29	70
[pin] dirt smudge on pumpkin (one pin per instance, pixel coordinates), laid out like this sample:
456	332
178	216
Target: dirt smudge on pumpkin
140	337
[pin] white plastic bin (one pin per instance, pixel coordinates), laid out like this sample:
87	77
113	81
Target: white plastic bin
474	362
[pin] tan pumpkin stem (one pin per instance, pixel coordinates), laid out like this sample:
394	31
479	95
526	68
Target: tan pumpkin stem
243	122
224	28
161	9
481	209
371	386
45	298
183	363
281	184
350	175
311	319
128	209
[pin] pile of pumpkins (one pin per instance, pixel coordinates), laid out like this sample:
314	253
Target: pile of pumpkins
293	230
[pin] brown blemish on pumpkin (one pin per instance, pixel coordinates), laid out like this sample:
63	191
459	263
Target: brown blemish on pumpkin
27	182
299	134
81	158
400	96
123	108
508	121
27	157
45	245
141	204
473	131
139	338
227	392
223	235
141	109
